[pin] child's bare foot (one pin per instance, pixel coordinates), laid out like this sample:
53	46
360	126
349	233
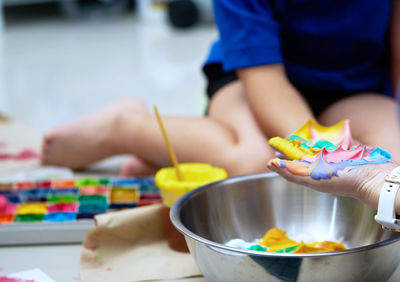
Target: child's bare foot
361	182
137	167
90	138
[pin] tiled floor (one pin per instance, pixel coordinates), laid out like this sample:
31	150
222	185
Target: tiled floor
53	70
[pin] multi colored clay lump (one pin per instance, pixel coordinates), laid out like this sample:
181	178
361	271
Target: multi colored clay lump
276	241
322	151
72	199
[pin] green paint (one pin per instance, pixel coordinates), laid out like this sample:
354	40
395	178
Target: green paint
257	248
290	249
92	203
317	146
28	217
93	208
104	181
63	199
87	182
149	188
324	144
88	199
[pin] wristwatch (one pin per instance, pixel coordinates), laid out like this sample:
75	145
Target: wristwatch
386	215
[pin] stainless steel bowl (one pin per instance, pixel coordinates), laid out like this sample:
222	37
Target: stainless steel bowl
246	207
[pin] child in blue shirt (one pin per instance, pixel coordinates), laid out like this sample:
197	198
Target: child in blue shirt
276	64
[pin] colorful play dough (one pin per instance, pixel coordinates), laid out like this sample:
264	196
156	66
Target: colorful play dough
320	152
276	241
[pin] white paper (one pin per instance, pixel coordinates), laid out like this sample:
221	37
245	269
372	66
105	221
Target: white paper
33	274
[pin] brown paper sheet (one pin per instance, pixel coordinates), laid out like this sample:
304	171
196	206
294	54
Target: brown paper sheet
131	246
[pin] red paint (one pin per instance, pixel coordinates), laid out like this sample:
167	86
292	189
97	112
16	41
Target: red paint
62	207
93	190
3	203
150	197
43	184
25	185
11	208
23	155
6	218
10	279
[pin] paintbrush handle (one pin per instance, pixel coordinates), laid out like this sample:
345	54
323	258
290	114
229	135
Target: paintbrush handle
169	146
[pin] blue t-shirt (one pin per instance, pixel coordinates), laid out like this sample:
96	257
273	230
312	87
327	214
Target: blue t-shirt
336	45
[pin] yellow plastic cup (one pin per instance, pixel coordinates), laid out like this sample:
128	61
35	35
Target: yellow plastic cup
194	175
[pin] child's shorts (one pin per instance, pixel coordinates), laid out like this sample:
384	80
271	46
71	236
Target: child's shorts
317	99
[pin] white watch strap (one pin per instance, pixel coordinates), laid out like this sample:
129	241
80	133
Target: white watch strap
386	215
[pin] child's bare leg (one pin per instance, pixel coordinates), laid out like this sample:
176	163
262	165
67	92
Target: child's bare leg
88	138
373	120
228	137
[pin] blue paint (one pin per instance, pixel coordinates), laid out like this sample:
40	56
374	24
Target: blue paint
60	216
324	170
68	191
34	195
321	170
379	153
12	196
123	205
86	215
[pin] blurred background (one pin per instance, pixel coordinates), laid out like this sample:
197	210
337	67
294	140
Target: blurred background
60	59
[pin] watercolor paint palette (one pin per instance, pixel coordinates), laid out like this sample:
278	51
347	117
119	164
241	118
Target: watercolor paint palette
67	204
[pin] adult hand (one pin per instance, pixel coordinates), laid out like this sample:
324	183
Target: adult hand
328	160
361	182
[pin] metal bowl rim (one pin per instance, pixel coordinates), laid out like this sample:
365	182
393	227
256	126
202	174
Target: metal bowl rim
180	203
